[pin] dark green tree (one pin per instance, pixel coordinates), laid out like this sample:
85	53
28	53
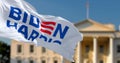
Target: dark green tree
4	52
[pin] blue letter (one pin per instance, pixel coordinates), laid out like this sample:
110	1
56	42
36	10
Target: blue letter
43	37
25	17
34	21
50	40
59	29
33	35
9	25
15	13
24	30
58	42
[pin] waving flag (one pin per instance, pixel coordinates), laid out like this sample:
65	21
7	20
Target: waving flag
20	21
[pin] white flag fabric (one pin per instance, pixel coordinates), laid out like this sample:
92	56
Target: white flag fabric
20	21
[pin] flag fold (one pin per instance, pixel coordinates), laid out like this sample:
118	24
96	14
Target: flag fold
20	21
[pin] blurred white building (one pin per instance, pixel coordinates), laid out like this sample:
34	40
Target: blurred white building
101	44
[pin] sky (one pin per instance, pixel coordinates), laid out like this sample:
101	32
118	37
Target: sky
102	11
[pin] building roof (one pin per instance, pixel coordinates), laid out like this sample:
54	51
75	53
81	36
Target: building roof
91	25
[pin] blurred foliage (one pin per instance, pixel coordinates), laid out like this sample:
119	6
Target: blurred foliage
4	52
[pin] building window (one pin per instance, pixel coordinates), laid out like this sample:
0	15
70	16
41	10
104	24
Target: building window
87	48
31	48
101	48
101	61
118	61
19	61
19	48
43	61
43	50
118	48
31	61
55	61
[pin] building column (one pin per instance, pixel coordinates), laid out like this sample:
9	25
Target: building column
79	52
95	50
77	57
111	45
